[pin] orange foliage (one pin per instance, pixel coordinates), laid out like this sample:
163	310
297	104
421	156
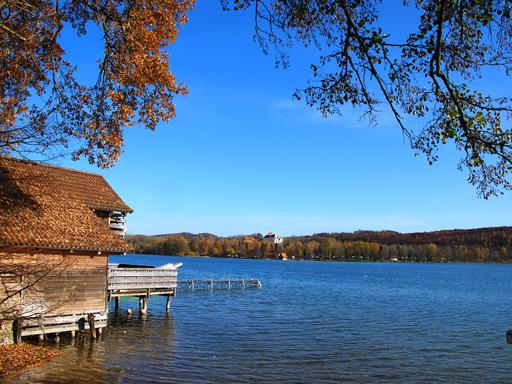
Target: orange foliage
17	357
134	83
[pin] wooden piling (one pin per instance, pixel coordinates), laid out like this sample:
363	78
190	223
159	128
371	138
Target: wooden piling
17	329
168	303
116	303
143	305
90	320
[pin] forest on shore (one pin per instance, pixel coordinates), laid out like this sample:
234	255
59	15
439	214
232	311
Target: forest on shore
481	245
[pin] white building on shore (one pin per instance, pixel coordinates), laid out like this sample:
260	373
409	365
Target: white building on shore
272	238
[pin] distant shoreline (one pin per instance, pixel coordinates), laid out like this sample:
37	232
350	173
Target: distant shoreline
328	260
481	245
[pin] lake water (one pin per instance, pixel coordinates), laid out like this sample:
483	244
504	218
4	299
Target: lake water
311	322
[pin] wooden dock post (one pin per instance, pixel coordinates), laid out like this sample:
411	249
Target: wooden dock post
72	334
90	320
17	328
40	338
168	303
143	305
116	303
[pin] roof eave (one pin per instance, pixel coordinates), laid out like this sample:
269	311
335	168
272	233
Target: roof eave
111	209
66	248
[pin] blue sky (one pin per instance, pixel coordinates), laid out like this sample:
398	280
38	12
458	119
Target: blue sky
242	156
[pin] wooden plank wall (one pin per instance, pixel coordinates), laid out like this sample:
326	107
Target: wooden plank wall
10	300
5	323
80	286
63	283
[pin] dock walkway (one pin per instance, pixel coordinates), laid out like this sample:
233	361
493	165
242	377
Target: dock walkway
210	285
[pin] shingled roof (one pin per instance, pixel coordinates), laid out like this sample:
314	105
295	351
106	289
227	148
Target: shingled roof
51	207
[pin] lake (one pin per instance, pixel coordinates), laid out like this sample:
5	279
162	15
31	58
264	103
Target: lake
311	322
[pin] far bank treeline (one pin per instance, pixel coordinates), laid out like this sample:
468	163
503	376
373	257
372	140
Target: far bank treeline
475	245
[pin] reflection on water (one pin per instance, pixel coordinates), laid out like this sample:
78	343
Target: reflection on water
311	322
83	361
118	356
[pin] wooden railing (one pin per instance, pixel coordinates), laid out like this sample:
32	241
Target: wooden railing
136	279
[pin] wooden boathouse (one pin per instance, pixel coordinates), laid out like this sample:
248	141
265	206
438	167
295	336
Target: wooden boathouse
57	228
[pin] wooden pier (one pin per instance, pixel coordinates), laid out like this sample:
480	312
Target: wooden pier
210	285
142	282
145	281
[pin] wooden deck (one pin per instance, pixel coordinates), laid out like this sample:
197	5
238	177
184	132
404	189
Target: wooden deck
141	281
59	324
